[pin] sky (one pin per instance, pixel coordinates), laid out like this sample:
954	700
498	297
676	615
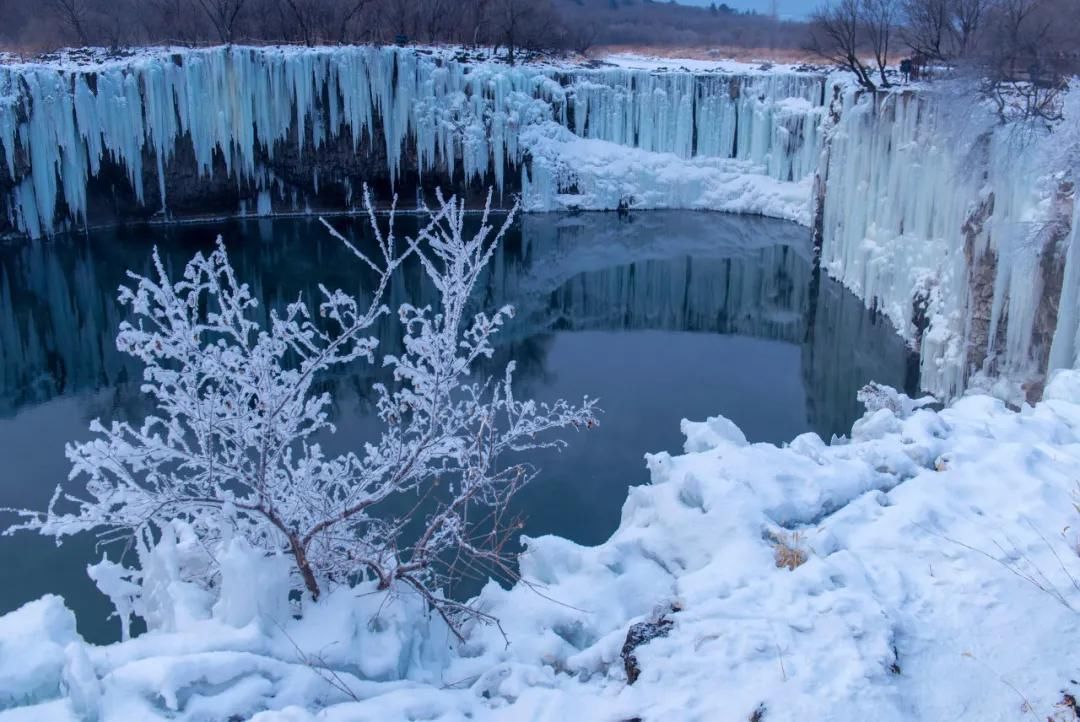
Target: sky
788	8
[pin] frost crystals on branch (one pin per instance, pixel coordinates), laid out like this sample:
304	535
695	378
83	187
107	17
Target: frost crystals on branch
231	450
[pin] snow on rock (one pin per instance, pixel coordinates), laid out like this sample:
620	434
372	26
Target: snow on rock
567	172
716	430
939	583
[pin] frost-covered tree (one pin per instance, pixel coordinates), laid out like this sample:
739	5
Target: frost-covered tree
233	446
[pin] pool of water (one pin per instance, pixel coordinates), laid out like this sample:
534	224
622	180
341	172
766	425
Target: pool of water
662	316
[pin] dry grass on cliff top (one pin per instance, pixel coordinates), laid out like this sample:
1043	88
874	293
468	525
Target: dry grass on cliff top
793	56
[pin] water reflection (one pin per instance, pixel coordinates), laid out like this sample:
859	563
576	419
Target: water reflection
662	315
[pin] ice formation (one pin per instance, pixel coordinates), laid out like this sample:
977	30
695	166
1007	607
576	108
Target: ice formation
464	119
956	228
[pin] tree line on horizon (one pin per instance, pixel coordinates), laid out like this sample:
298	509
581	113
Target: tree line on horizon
511	25
1020	54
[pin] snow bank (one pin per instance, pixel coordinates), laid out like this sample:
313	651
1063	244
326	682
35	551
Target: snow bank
939	584
33	643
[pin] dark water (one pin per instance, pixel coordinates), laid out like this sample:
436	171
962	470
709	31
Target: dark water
661	315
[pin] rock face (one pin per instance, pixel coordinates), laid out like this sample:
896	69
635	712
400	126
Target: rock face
983	266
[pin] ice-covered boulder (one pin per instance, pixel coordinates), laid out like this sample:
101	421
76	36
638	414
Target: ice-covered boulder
34	642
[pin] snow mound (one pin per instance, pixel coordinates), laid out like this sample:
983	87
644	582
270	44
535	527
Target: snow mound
33	644
573	173
938	583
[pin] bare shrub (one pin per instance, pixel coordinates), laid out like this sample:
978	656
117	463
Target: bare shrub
232	448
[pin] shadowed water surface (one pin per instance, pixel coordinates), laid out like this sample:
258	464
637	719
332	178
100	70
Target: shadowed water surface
662	315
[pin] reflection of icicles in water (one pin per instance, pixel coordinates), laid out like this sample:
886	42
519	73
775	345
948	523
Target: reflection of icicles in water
845	346
758	295
665	270
428	112
57	324
653	271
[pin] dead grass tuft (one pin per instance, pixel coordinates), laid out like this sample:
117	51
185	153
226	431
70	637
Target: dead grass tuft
789	550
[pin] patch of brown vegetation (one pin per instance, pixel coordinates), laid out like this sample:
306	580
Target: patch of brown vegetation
789	550
723	52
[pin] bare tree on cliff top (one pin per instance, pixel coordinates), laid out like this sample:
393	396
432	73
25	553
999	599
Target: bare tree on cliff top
943	30
518	24
232	447
73	14
880	19
840	36
224	15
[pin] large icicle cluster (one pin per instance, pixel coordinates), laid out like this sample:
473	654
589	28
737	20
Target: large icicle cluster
238	106
952	225
768	119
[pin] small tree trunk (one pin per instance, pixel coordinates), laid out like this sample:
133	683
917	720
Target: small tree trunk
300	555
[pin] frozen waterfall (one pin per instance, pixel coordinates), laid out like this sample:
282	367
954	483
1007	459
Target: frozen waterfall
957	227
961	230
423	111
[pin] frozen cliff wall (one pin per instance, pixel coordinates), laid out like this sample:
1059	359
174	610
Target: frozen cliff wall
958	228
255	130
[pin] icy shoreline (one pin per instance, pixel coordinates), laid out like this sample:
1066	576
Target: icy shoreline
919	531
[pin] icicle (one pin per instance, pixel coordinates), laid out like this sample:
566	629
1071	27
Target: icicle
1065	349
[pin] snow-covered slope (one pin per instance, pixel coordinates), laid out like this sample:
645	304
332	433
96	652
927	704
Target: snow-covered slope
940	582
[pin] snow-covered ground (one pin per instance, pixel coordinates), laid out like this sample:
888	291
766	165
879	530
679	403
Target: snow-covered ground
640	61
569	172
940	583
